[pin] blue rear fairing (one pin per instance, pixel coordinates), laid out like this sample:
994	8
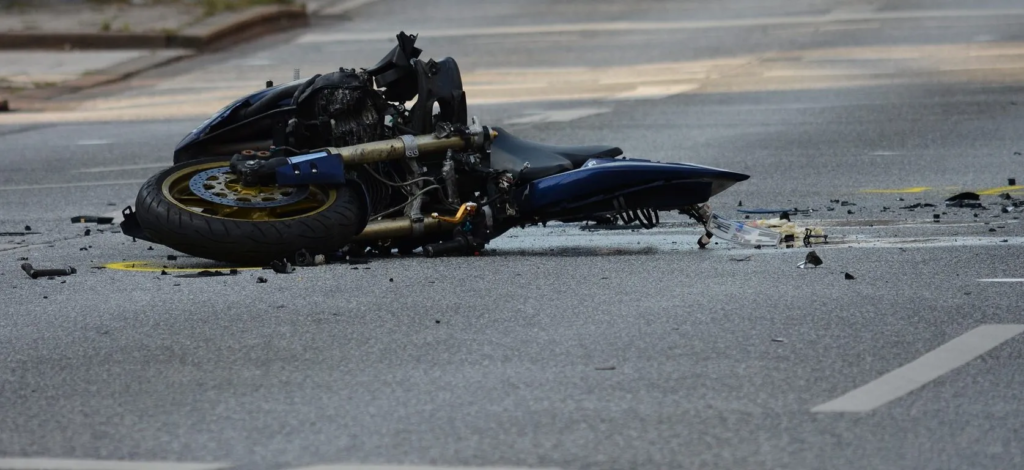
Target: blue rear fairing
607	175
226	111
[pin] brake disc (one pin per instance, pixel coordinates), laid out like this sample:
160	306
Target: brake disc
221	186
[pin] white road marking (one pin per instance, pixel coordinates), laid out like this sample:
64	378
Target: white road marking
655	92
83	464
663	25
124	167
69	185
929	367
343	7
405	467
562	115
92	142
1001	280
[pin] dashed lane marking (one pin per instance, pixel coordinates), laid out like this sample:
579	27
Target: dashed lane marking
153	267
42	463
143	166
69	185
999	190
404	467
925	369
562	115
916	189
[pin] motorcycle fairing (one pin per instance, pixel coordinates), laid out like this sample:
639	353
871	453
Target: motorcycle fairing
239	104
606	178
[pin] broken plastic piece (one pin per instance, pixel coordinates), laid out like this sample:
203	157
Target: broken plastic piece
37	273
812	259
848	276
261	280
282	268
91	219
738	232
968	196
918	206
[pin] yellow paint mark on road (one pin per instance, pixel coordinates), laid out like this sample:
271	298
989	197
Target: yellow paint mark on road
150	266
917	189
1000	190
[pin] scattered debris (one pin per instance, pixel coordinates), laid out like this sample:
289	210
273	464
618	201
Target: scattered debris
846	203
773	211
778	340
92	219
150	249
28	228
208	273
163	272
438	322
848	276
811	259
391	279
172	258
304	258
37	273
261	280
935	218
83	249
23	258
282	268
744	258
1011	181
605	368
790	231
88	232
918	205
849	212
740	204
967	200
991	230
967	205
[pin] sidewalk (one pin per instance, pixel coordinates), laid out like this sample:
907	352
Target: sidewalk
50	48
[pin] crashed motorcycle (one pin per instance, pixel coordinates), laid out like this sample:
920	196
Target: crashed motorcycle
339	162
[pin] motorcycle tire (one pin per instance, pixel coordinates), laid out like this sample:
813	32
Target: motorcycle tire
249	236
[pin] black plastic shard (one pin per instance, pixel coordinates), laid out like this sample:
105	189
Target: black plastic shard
812	259
848	276
968	196
918	206
282	267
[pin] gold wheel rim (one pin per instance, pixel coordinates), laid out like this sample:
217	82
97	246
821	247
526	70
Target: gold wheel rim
176	189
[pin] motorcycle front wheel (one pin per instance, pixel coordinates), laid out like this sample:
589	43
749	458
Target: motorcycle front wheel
198	208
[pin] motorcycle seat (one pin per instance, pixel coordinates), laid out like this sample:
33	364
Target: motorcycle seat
510	153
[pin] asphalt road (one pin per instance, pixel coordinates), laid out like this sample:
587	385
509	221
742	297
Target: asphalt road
560	347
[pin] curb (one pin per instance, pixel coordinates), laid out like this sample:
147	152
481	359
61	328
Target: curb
212	32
